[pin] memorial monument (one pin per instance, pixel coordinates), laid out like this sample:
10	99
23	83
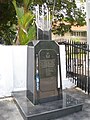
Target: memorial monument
43	71
44	98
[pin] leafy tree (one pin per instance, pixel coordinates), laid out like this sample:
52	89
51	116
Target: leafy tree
16	22
66	14
7	22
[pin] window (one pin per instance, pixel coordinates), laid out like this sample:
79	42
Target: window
79	34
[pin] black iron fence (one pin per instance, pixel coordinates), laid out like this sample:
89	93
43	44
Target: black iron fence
77	63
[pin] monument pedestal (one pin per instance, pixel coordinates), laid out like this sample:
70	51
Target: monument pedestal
44	99
49	110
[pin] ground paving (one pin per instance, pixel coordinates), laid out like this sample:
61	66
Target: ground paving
9	110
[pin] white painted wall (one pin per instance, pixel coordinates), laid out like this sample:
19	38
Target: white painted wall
13	69
19	55
13	63
6	71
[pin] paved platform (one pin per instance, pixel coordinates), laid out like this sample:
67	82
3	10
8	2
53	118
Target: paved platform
64	105
9	111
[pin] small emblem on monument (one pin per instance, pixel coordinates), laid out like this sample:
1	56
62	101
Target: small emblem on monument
47	55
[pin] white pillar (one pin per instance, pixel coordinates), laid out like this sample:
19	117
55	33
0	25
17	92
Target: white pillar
88	20
66	83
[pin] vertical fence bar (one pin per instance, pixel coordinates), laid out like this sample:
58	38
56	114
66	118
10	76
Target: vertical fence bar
82	71
80	67
84	77
85	71
77	65
73	60
66	57
70	57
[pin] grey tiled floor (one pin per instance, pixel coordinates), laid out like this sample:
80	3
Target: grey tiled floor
9	111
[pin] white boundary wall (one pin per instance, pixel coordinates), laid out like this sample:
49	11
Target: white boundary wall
19	55
13	69
6	71
13	63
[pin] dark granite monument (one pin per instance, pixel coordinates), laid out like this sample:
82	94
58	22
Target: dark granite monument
43	72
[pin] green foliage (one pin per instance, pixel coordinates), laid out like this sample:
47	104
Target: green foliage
67	13
77	40
7	23
26	31
15	15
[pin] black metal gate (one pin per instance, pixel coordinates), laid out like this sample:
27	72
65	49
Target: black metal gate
77	63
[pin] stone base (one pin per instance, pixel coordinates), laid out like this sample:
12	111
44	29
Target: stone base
50	110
